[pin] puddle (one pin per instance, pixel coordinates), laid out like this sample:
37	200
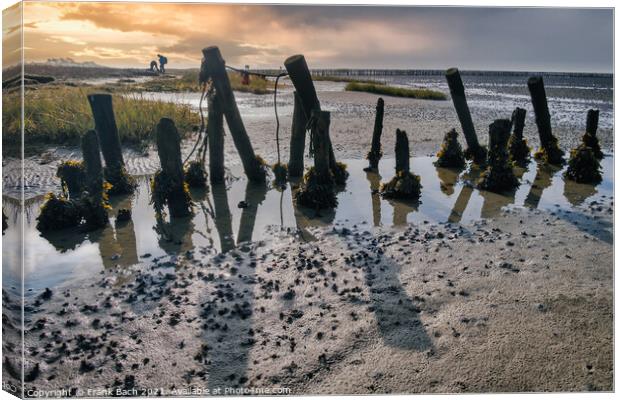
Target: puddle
220	225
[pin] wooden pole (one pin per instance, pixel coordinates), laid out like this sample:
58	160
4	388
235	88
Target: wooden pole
592	122
457	92
169	151
549	143
92	205
375	148
105	125
299	74
216	69
215	137
518	122
401	150
321	146
298	139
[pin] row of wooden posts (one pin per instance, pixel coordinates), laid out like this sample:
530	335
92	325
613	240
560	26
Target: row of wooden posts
88	192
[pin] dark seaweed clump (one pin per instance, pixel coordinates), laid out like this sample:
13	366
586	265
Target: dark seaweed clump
450	154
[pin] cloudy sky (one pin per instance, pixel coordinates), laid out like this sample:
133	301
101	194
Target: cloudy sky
130	35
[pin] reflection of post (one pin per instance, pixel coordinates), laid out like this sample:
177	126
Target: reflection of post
577	193
493	203
254	195
541	182
460	205
117	245
176	236
375	182
447	179
401	211
223	218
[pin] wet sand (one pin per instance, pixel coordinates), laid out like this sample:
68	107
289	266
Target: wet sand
509	304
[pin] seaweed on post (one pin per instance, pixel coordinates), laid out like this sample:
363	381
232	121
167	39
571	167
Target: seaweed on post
280	172
58	212
450	154
498	176
195	175
71	174
404	185
583	166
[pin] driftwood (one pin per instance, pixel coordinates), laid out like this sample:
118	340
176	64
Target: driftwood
550	151
375	153
215	68
168	184
298	139
105	125
517	145
404	185
457	91
215	137
498	176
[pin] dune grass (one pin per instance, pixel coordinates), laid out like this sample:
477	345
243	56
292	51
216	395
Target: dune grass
425	94
188	82
61	115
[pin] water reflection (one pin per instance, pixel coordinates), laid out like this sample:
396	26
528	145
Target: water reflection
447	196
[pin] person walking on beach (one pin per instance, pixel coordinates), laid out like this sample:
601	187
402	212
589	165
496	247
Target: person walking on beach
162	61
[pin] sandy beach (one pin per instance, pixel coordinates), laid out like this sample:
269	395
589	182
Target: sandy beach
467	292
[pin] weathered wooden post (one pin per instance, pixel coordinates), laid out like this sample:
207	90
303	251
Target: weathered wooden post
517	144
92	202
317	189
298	139
583	165
457	91
375	153
299	74
589	138
450	155
168	186
404	185
498	176
105	125
215	137
550	151
216	69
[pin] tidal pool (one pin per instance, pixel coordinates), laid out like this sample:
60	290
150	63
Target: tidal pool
220	224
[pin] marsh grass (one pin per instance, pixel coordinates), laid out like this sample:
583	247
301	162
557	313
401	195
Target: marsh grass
61	115
425	94
187	81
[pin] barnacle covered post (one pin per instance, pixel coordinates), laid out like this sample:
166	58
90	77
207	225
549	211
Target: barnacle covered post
105	125
474	151
93	201
168	187
375	153
299	74
517	145
450	154
498	176
195	175
317	188
549	152
589	138
298	139
71	174
215	137
583	165
404	185
215	68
